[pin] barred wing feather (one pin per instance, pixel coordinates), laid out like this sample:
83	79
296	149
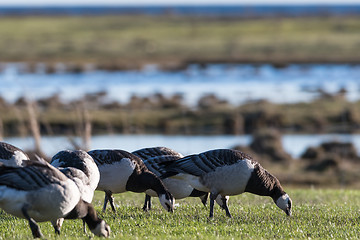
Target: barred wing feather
34	177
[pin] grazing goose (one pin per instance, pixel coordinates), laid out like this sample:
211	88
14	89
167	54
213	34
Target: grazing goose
122	171
154	156
228	172
11	155
39	192
81	168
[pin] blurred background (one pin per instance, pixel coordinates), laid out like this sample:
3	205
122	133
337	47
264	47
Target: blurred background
279	81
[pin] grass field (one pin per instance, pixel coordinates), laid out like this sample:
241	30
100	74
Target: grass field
129	39
317	214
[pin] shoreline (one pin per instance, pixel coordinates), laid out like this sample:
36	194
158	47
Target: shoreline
52	66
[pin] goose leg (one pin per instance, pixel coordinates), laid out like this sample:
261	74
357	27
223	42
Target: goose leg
111	200
225	205
105	202
212	200
84	225
147	204
204	199
109	197
33	225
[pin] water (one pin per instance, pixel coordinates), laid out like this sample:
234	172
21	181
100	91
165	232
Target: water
219	9
295	145
236	83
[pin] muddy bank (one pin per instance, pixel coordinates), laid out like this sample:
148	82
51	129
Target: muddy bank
331	164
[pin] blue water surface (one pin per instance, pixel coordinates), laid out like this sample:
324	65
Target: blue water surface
236	83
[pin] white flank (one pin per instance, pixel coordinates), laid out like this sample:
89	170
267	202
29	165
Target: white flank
94	174
192	180
177	187
114	176
228	179
46	204
12	200
86	192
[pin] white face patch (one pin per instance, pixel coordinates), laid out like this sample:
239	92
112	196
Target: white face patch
102	229
284	203
16	160
168	204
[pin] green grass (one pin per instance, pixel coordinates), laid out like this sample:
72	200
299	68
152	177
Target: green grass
317	214
105	39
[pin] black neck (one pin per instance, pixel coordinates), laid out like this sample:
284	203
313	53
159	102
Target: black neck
86	212
79	211
144	181
91	218
262	183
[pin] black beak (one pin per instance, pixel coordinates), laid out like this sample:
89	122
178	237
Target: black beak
170	209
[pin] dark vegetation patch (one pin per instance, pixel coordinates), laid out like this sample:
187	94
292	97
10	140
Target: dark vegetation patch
169	115
329	164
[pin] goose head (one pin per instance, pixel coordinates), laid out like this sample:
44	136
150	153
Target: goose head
102	229
167	201
284	203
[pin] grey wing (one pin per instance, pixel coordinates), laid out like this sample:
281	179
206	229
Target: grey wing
28	177
221	157
206	162
154	164
194	164
146	153
108	156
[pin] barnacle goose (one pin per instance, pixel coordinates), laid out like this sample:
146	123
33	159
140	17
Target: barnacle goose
81	168
11	155
122	171
154	156
228	172
39	192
